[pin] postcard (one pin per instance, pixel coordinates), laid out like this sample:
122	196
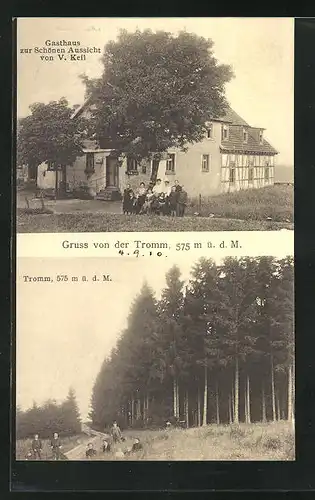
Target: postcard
154	246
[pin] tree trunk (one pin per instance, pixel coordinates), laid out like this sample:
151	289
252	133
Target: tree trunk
236	404
245	404
154	171
187	410
290	393
230	409
293	391
56	184
217	402
278	406
198	408
174	397
205	397
248	402
264	418
132	410
232	404
273	397
177	399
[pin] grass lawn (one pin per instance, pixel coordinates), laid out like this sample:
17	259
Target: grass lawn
270	441
269	208
24	445
275	202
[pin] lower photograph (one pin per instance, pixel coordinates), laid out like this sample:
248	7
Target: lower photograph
127	358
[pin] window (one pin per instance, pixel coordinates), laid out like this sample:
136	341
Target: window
251	160
250	174
132	165
210	131
170	163
205	163
225	132
51	165
245	135
261	137
267	174
89	166
143	168
267	161
232	176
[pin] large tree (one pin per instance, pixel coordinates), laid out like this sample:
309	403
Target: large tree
157	91
49	134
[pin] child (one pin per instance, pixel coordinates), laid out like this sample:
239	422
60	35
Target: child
90	452
172	200
127	200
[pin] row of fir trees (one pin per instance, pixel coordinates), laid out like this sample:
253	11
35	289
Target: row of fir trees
48	418
218	349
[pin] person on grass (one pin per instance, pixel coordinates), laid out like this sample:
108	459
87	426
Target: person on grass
56	446
90	452
37	447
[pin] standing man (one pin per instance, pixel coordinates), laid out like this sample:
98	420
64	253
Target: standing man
56	446
181	202
116	432
37	447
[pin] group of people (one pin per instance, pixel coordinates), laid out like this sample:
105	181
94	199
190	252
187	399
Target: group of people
116	437
159	199
35	453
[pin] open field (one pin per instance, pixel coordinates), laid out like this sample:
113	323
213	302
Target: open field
264	209
24	445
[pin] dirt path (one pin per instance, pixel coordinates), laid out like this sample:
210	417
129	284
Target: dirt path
78	453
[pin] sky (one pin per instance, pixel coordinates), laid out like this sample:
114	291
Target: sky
260	50
65	330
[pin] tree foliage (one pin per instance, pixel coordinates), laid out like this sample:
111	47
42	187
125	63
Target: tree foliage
157	91
48	418
224	342
50	134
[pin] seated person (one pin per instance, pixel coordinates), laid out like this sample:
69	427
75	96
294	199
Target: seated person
137	446
141	194
158	188
90	452
106	446
146	208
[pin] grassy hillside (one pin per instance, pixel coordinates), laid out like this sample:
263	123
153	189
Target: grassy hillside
270	441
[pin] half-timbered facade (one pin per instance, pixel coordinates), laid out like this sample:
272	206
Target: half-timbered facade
232	156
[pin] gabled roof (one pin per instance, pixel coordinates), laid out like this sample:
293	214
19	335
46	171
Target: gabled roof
232	117
235	142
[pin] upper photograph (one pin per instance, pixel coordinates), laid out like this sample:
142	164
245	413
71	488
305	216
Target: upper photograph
154	124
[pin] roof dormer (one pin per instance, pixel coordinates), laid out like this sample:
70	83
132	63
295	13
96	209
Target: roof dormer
224	132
